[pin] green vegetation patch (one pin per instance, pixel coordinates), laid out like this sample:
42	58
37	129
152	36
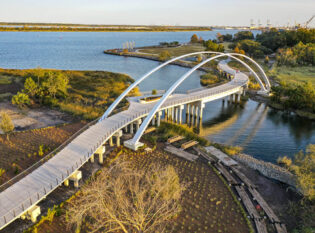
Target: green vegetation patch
85	94
294	74
175	51
5	79
169	129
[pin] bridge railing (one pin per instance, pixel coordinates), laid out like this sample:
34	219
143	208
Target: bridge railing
45	158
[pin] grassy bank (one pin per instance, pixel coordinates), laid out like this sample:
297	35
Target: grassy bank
174	51
88	95
295	75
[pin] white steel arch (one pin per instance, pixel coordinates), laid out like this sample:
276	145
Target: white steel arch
266	80
134	142
138	81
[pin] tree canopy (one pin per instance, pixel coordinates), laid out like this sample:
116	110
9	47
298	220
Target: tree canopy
123	198
243	35
212	46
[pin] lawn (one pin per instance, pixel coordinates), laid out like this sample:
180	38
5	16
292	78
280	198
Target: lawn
237	65
294	74
175	51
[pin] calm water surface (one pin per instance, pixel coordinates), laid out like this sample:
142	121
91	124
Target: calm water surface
263	132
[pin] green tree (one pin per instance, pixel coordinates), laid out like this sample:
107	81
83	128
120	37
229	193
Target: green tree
243	35
304	169
194	39
212	46
154	92
21	100
30	87
266	60
6	124
164	55
56	82
220	37
227	37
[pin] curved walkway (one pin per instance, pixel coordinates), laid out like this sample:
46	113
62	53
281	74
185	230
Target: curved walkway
18	198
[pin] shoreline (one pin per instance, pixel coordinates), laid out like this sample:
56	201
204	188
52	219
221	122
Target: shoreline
153	58
10	29
277	106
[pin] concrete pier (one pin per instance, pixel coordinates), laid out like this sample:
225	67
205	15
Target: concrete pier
32	213
117	135
99	152
76	177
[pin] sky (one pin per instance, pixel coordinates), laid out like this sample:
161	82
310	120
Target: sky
158	12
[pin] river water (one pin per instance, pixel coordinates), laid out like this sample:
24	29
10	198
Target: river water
261	131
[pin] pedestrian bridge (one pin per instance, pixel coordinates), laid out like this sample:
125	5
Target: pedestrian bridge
20	200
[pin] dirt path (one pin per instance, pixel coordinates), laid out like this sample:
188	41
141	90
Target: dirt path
33	118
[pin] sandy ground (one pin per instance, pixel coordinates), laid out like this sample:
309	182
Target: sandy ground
33	118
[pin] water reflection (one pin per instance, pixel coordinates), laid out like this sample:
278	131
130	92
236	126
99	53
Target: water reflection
301	128
262	131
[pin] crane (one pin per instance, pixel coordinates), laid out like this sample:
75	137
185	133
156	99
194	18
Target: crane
308	21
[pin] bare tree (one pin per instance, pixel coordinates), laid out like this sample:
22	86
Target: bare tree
123	198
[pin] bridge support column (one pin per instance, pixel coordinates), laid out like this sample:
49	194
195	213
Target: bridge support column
181	107
100	151
191	117
176	114
138	123
118	134
201	107
187	113
126	129
32	213
111	141
243	92
231	98
196	114
92	158
66	183
153	120
76	177
131	128
159	118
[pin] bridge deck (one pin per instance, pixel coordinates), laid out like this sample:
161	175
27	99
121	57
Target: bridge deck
31	189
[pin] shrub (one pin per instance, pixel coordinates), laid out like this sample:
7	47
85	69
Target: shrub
6	124
208	79
21	99
287	162
164	55
2	171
